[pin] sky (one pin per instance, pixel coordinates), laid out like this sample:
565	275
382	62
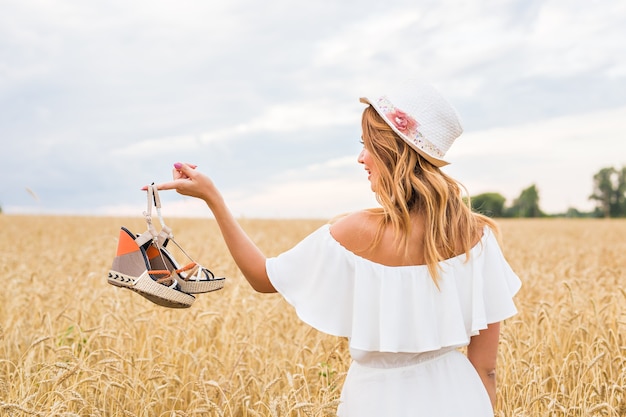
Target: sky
100	98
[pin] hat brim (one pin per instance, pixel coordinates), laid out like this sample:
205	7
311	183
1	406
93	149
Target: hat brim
435	161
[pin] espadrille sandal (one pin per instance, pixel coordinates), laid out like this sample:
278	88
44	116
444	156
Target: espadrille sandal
192	278
131	269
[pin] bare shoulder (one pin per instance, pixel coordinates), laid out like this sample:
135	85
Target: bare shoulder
355	230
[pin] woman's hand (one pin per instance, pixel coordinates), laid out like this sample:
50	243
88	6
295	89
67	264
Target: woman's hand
190	182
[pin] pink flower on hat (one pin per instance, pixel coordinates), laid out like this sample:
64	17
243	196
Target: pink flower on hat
403	122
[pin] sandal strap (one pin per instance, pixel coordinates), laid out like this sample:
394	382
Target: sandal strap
166	279
158	238
147	236
187	267
165	229
198	274
166	276
151	234
166	234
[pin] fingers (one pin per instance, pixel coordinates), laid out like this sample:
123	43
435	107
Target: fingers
172	185
182	170
184	167
181	173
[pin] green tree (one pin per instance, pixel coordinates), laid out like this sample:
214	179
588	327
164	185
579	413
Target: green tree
609	192
527	204
573	212
489	204
621	192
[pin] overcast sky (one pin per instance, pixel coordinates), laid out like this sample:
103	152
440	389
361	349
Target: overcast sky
98	98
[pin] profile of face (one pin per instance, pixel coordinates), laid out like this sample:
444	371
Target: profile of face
365	158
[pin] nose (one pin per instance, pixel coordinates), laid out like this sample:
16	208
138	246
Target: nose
360	157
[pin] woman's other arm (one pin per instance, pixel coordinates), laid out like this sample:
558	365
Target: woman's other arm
482	353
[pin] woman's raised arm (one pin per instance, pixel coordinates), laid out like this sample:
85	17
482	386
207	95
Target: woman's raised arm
246	254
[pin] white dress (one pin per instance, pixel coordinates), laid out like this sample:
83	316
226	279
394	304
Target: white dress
403	331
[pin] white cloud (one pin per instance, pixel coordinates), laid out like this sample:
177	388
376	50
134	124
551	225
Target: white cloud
290	117
128	84
596	136
559	155
381	32
322	190
315	198
319	190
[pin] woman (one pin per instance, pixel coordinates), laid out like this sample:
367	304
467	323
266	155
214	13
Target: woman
408	283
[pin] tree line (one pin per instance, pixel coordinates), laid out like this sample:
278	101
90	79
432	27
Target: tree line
609	194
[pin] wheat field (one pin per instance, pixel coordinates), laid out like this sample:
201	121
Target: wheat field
73	345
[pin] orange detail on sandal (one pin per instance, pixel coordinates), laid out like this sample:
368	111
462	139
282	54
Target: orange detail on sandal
152	252
187	267
159	272
126	244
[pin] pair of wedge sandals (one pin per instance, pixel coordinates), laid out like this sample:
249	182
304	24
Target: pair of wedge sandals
143	264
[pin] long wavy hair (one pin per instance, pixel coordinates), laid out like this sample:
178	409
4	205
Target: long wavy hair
408	184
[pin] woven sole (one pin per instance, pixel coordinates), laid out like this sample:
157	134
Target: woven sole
157	293
201	286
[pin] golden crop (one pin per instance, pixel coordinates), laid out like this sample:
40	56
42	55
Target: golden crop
73	345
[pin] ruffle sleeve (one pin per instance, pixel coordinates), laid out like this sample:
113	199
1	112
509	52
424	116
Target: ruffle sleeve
318	280
394	308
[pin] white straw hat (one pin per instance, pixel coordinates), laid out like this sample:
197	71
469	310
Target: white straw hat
421	116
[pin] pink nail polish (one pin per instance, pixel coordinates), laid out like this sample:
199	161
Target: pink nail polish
178	165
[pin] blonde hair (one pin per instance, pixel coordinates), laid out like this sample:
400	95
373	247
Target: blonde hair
409	184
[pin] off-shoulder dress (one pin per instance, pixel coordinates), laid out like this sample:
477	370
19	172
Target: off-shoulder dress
403	331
